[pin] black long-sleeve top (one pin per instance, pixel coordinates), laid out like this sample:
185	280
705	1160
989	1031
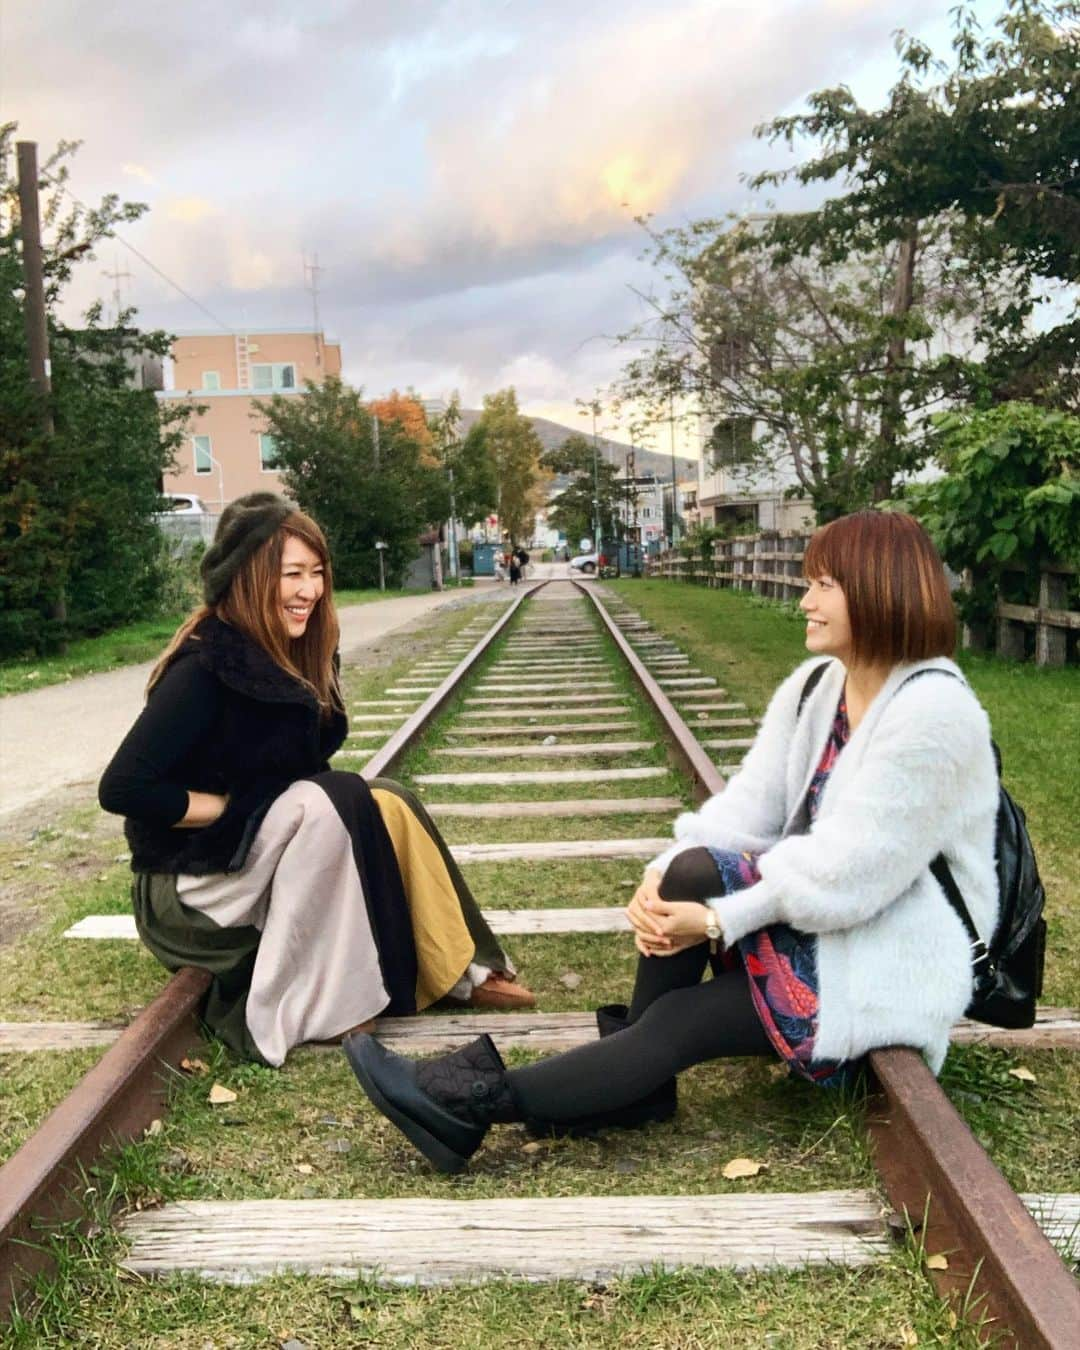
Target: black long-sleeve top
225	718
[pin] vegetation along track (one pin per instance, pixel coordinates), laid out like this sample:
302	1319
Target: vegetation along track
553	748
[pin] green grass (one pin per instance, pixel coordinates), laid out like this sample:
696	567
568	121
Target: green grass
823	1309
286	1119
366	596
125	646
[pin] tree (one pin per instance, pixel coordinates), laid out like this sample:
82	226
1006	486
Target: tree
572	510
79	549
359	490
1008	502
823	370
408	412
470	461
515	450
988	149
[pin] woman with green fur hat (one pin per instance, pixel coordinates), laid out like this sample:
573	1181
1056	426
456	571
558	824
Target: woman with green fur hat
316	900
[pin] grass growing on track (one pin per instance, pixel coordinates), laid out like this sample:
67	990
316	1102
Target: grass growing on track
821	1309
285	1120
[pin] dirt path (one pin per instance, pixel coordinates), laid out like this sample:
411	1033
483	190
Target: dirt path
58	739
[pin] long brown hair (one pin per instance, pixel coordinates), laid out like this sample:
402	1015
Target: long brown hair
893	581
253	604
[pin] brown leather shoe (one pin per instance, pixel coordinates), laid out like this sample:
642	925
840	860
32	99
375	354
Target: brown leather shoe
499	992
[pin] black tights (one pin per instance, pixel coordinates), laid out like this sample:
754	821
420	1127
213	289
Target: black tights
675	1021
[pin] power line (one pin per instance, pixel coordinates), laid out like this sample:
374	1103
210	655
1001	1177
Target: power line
152	266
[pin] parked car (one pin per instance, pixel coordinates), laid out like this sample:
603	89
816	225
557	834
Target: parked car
184	520
586	562
181	504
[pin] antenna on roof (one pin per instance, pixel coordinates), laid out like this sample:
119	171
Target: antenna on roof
313	269
117	276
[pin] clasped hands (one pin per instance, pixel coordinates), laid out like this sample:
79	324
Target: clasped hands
664	927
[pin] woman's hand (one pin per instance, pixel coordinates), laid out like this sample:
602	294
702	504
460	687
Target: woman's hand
664	927
203	809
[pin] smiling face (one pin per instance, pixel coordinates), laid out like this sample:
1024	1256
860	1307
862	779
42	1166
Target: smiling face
301	584
828	626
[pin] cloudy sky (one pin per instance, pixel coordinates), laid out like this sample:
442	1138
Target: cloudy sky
466	170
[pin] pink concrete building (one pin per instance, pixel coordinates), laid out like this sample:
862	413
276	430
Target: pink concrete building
227	450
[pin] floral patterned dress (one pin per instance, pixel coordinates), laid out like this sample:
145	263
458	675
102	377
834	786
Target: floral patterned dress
781	962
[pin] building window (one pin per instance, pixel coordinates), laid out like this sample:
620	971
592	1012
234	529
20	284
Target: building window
204	459
268	452
279	375
211	381
732	442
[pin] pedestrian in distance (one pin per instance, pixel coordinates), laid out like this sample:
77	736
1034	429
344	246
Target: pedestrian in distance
515	569
805	886
315	900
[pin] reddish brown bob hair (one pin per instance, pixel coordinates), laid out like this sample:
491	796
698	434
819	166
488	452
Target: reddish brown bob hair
894	583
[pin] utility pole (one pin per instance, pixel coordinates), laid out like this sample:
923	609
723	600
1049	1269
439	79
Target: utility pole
37	332
674	480
454	571
593	407
37	329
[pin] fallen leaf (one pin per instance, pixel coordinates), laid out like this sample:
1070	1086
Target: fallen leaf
743	1167
220	1095
570	980
909	1336
1025	1075
155	1127
937	1262
103	876
337	1145
954	1321
194	1066
305	1169
533	1147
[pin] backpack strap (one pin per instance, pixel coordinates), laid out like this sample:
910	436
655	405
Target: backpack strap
812	682
980	953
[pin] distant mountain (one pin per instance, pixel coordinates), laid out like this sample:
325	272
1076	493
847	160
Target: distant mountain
552	434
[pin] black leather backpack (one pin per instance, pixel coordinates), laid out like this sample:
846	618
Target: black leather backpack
1007	973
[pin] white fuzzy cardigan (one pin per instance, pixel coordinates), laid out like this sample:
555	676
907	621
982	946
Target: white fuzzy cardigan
917	778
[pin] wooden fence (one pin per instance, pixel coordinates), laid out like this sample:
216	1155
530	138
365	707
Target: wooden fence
770	564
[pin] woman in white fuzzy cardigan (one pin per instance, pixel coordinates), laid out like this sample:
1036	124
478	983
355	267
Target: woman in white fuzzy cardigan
811	871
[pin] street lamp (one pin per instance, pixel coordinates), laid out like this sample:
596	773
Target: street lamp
381	545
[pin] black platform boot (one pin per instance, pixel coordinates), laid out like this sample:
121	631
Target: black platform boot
444	1106
660	1104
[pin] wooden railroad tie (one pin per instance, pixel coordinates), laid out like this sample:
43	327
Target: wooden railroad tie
547	1033
580	1238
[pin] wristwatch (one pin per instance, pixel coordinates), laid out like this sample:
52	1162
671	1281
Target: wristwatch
712	927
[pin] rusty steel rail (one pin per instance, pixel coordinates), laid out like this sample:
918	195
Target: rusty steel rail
42	1183
935	1172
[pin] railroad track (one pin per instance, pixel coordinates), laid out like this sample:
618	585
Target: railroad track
550	688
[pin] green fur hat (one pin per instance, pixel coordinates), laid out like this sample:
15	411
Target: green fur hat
245	525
